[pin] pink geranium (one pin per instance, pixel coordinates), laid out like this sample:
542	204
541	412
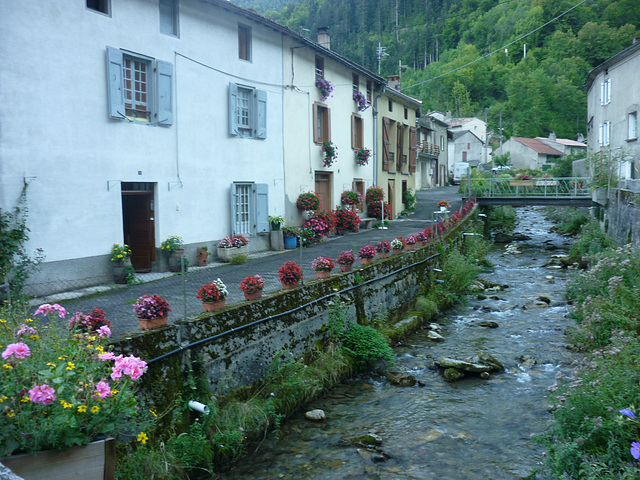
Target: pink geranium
19	350
26	330
54	309
43	394
132	366
103	389
104	332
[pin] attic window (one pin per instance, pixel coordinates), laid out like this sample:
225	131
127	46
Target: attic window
101	6
319	67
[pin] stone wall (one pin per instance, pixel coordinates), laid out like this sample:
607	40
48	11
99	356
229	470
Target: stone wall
622	212
234	347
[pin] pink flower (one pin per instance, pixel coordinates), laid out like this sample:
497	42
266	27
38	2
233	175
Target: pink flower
20	350
43	394
132	366
104	332
47	309
103	389
26	329
107	356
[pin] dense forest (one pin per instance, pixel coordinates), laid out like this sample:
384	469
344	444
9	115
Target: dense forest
526	60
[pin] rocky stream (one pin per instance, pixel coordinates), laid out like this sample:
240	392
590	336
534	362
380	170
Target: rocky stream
480	426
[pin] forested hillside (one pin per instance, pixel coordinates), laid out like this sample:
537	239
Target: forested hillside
537	93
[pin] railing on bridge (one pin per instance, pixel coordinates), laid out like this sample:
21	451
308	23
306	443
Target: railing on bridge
535	187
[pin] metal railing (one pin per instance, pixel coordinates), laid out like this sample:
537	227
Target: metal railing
534	187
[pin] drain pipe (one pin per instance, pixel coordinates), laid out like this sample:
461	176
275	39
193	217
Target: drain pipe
282	314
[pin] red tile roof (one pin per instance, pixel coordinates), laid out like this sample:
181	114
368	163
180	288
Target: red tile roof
538	146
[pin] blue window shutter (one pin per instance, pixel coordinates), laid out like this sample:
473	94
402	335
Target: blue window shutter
261	102
233	208
233	110
165	89
115	93
262	207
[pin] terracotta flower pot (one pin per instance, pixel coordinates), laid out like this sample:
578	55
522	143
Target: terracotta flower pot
346	268
408	247
288	286
253	296
150	324
383	254
396	252
420	244
174	260
322	275
366	261
203	259
214	306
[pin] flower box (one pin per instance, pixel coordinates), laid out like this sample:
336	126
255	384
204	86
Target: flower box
225	254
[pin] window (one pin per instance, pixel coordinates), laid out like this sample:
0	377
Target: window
321	123
101	6
249	208
605	92
406	113
319	67
244	42
441	142
357	132
356	83
400	146
247	112
604	134
632	124
168	17
369	90
140	89
391	105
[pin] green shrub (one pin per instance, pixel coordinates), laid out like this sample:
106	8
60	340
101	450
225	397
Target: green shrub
590	241
502	219
238	259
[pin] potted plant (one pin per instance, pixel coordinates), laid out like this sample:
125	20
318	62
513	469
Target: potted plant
276	221
375	210
230	246
330	154
397	244
374	195
89	322
383	247
213	295
290	237
366	254
443	204
346	219
361	101
152	311
120	259
351	198
362	156
173	246
308	202
322	266
290	275
59	385
410	242
203	254
252	287
325	87
346	260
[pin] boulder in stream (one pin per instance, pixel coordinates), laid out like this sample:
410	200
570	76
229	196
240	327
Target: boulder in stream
316	415
365	440
488	324
435	336
400	379
452	374
540	302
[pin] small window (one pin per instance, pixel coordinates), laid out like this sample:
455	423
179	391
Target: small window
136	76
319	67
406	113
356	83
244	42
369	90
605	92
321	123
168	17
247	112
604	134
101	6
632	123
357	132
391	105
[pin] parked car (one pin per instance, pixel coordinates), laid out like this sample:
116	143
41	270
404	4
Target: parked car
460	170
499	169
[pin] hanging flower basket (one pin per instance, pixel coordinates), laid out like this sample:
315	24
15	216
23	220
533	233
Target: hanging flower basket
325	87
330	154
362	156
361	101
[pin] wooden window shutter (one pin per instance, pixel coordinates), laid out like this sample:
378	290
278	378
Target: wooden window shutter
316	137
354	133
386	126
327	125
233	110
233	193
400	148
165	87
115	93
261	102
262	207
413	148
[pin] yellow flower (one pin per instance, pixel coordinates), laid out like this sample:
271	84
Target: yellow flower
142	437
29	320
34	337
49	364
10	414
6	366
62	358
65	404
95	409
153	412
114	392
100	348
82	408
89	346
25	399
3	398
2	320
70	366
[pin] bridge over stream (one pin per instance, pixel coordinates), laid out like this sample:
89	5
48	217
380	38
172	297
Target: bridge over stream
558	191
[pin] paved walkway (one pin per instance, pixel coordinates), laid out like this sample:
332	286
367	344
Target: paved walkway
180	290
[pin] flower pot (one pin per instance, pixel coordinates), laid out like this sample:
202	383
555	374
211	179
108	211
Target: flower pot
118	270
307	214
95	461
288	286
396	252
253	296
174	260
443	209
408	247
225	254
290	243
321	275
275	226
383	254
214	306
346	268
150	324
421	244
366	261
203	257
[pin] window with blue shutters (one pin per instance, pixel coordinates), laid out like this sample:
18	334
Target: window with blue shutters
247	112
140	89
249	208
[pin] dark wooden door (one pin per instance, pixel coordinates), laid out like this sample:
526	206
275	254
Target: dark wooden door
323	190
138	221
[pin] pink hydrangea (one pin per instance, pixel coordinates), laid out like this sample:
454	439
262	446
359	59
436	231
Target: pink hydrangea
43	394
26	330
54	309
19	350
132	366
103	390
104	332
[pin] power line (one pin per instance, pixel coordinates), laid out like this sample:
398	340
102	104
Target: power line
496	50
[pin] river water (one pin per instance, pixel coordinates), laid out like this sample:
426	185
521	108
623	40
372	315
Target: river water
471	429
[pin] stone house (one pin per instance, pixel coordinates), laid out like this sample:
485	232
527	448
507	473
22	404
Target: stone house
528	153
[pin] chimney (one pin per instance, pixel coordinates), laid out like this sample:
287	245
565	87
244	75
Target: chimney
552	136
394	82
324	39
581	138
635	39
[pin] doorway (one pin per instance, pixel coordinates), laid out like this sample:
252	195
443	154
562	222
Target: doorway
138	223
323	189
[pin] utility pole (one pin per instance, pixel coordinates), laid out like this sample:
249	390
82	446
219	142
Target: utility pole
381	52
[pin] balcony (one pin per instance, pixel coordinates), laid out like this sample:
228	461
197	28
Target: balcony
429	149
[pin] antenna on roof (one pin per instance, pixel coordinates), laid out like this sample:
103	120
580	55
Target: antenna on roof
381	52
